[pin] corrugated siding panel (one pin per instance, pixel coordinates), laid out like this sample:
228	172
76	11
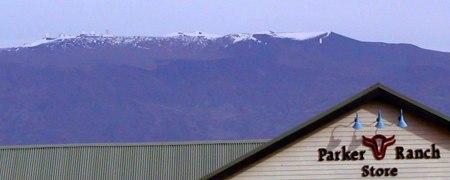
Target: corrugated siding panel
300	159
163	161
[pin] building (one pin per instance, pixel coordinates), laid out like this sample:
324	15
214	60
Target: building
376	134
187	160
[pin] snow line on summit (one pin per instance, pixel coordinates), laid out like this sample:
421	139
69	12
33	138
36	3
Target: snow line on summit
186	36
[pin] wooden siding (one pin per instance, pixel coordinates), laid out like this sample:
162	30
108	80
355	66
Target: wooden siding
300	159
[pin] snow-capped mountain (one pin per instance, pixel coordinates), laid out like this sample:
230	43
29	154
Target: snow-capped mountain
196	37
198	86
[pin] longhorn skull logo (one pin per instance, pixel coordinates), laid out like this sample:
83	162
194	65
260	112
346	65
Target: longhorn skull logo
379	144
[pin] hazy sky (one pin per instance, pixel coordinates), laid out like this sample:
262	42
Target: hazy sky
424	23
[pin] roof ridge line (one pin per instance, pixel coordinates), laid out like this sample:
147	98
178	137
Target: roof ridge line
174	143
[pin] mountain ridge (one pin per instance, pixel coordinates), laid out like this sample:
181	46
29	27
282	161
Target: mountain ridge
196	36
217	89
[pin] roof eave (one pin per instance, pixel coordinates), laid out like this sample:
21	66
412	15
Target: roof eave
375	91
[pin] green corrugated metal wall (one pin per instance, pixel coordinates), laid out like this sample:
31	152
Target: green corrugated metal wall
138	161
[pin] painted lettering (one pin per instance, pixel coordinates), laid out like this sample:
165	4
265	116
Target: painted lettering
435	152
430	153
378	172
399	152
343	155
322	152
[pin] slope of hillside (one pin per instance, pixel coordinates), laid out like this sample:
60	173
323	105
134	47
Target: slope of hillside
90	89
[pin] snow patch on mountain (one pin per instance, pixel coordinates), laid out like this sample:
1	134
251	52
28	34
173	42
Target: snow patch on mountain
48	39
39	42
194	34
241	37
300	36
181	38
321	39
